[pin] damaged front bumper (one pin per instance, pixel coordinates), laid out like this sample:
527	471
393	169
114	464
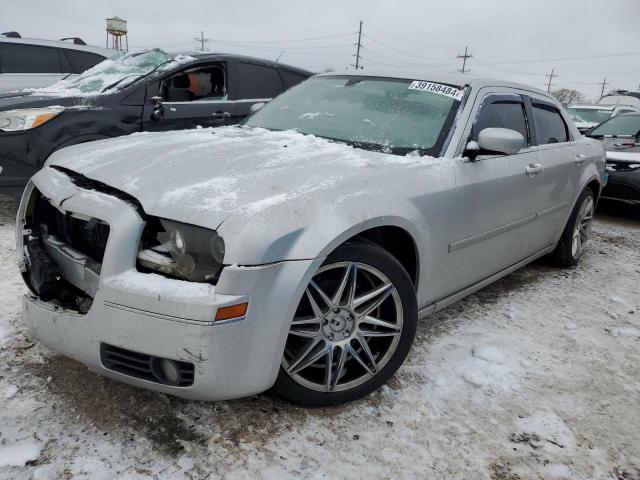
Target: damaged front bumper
134	321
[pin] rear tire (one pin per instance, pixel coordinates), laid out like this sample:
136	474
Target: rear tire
576	232
352	330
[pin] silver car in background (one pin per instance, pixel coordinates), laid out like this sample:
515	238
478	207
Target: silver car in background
299	250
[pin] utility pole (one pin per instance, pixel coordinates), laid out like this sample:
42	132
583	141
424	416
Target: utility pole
202	40
358	50
464	59
604	83
551	76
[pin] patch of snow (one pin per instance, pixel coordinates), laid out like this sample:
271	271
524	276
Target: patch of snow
625	332
157	285
19	453
10	391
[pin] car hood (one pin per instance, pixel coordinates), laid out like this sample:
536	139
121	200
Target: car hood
203	176
20	100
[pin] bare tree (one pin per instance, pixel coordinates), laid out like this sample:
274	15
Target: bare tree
567	96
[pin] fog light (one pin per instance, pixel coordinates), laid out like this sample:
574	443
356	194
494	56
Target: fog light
170	371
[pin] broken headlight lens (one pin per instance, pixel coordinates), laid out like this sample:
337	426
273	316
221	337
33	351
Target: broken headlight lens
25	119
181	250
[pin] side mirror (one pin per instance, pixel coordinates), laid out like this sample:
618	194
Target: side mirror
256	106
501	140
158	109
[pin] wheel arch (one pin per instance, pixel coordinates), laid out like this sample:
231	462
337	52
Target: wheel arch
395	234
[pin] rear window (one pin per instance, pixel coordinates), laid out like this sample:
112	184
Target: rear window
256	81
550	126
82	61
29	59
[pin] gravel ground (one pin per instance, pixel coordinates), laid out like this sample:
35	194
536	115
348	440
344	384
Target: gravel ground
536	376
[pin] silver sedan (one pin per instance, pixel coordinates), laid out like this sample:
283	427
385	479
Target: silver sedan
299	250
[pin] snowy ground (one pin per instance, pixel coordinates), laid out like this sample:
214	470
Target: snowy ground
537	376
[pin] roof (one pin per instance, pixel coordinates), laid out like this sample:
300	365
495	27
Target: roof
105	52
218	55
438	77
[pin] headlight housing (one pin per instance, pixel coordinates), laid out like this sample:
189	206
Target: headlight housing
182	251
27	118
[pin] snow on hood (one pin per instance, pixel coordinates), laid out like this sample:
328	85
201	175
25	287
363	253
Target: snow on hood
119	68
201	176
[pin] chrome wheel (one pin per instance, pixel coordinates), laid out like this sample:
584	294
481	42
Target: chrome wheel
582	227
346	328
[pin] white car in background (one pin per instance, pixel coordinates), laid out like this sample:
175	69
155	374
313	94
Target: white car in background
33	63
585	117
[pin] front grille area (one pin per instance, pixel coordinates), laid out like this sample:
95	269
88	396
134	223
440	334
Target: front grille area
145	367
617	190
86	236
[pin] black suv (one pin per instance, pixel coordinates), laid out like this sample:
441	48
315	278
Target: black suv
146	91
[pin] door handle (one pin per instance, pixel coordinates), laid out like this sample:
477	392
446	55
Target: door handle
533	169
579	159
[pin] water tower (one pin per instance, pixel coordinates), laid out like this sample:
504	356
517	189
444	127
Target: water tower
117	29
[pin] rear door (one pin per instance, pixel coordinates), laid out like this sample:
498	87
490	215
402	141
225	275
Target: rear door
563	159
498	195
251	83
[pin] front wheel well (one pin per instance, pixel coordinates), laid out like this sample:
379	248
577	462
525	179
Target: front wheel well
399	243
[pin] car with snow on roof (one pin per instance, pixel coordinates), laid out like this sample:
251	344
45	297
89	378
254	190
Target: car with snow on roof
143	91
298	250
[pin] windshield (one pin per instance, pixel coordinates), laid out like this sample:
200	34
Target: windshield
619	126
588	115
390	115
111	74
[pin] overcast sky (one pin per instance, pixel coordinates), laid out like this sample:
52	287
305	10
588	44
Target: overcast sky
513	39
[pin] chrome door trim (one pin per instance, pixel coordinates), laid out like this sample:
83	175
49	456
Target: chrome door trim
551	210
494	232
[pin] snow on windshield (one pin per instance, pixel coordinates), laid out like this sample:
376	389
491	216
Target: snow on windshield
112	74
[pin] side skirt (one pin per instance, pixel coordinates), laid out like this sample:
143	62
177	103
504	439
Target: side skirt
446	301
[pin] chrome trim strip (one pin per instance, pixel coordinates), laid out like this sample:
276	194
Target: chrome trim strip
551	210
158	315
466	242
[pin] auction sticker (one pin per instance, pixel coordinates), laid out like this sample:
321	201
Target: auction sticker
439	88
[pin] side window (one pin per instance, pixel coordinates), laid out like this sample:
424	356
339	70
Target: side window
550	126
291	78
29	59
256	81
204	84
501	113
82	61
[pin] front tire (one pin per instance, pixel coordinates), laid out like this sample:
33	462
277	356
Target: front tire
576	232
352	330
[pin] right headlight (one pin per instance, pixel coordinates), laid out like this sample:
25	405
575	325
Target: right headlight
181	250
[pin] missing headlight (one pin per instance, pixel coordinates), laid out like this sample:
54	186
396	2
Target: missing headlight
180	250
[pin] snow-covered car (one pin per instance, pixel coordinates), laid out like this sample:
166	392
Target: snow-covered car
299	249
620	137
143	91
585	117
36	63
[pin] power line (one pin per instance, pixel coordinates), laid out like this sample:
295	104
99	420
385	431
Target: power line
551	76
404	52
464	59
